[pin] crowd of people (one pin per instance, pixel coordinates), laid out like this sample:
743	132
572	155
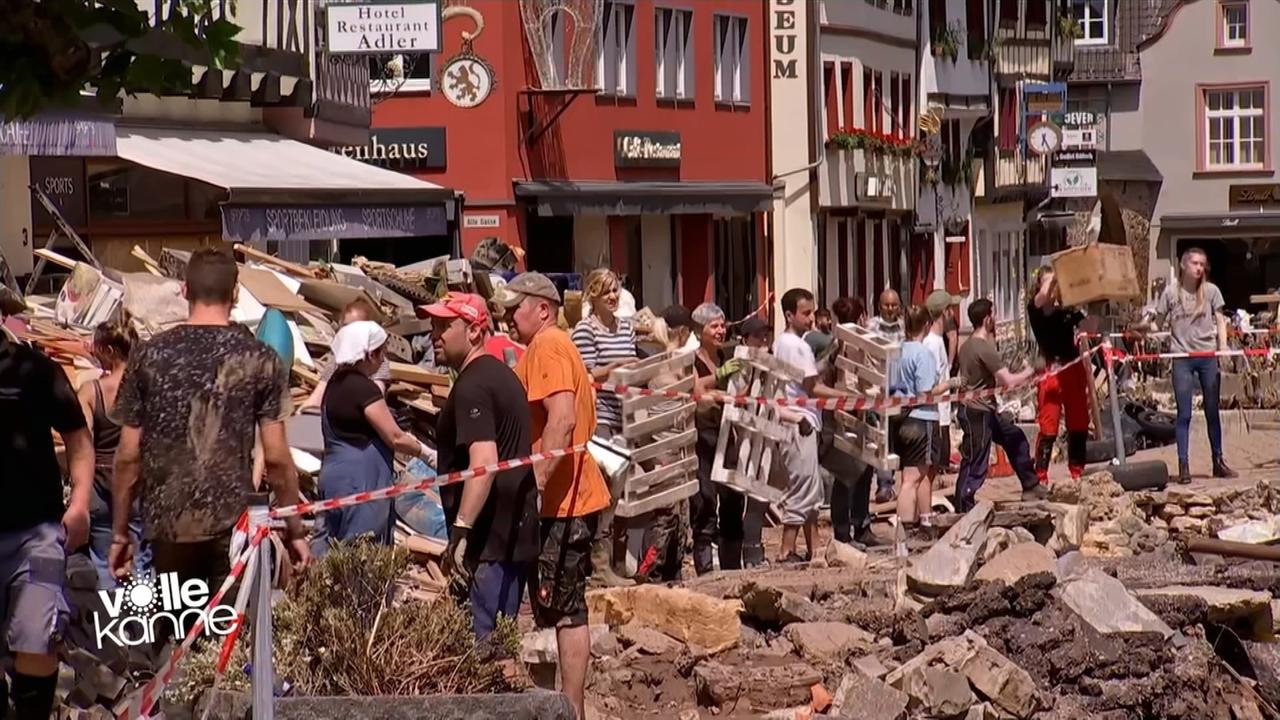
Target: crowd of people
161	449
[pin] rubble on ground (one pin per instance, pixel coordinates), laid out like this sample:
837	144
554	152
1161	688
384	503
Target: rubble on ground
1050	621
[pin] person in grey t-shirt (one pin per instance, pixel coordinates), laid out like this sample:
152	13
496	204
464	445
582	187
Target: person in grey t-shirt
1192	308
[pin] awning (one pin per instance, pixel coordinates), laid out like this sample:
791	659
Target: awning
281	189
562	197
1224	224
59	136
1127	166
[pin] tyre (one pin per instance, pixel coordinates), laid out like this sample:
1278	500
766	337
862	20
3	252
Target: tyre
1145	475
1158	426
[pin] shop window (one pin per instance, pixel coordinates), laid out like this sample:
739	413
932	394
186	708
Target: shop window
1233	128
122	191
616	59
1233	30
401	73
673	53
732	61
1092	15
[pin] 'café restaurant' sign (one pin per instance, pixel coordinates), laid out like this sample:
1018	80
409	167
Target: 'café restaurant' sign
400	148
634	148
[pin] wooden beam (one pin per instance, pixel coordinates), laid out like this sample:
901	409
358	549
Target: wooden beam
268	259
418	375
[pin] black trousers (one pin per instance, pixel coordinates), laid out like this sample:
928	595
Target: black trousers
720	515
850	493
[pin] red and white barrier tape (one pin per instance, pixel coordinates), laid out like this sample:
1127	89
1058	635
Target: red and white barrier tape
140	705
1165	333
393	491
1121	356
846	403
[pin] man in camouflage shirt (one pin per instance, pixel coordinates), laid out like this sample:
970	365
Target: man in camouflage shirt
189	404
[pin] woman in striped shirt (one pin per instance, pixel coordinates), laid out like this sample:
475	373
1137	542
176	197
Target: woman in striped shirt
606	343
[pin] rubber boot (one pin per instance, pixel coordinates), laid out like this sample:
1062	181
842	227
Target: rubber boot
1044	455
602	566
731	555
703	561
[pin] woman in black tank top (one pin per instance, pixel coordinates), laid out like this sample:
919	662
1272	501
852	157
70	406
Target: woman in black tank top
112	344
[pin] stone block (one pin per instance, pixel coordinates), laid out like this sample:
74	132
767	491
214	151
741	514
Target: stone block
690	617
949	564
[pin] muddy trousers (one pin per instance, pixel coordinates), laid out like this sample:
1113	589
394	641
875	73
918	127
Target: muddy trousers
1066	390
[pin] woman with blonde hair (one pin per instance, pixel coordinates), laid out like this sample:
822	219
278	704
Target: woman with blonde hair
1193	309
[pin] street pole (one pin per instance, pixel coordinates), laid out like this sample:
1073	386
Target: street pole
1113	389
262	675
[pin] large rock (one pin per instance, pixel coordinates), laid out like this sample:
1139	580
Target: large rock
1257	532
1008	686
1000	490
1069	527
690	617
1017	562
647	640
828	640
776	607
843	555
998	540
864	698
1103	602
949	563
765	688
1226	606
939	692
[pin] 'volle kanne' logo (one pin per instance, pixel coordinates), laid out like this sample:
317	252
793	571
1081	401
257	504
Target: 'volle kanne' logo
145	607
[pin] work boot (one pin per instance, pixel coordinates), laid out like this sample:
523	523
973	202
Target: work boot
602	566
1220	469
730	556
1184	474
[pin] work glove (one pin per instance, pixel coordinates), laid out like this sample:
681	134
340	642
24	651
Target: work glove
728	370
454	560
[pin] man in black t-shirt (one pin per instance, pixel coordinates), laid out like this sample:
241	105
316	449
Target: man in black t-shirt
36	531
1055	329
493	518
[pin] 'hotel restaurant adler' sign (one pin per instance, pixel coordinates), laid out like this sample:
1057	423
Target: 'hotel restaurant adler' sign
635	148
375	28
400	148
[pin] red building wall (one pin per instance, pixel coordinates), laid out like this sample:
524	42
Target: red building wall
486	144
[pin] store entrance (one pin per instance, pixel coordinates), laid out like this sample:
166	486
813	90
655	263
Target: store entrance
1240	267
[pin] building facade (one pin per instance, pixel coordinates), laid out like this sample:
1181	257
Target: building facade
1185	89
639	144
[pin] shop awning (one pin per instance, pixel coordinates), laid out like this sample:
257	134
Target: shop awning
1251	222
1127	166
281	189
562	197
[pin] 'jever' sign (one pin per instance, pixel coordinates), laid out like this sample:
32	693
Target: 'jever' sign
783	27
373	28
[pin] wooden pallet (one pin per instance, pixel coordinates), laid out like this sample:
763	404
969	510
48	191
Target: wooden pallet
758	429
864	365
658	433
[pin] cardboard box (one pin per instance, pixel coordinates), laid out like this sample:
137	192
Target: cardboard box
1096	272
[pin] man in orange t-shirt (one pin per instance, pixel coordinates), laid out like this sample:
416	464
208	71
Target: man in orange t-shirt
574	492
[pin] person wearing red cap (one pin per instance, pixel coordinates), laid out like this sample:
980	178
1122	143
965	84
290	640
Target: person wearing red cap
493	518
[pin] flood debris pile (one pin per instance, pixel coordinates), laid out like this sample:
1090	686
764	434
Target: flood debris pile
1053	618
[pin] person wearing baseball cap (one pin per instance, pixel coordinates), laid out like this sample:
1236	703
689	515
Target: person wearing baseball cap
563	408
942	330
755	332
493	518
360	436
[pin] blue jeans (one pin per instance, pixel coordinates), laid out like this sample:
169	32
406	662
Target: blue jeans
1186	371
496	588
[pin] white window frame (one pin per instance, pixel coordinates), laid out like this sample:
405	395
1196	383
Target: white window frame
673	53
1082	10
731	49
616	57
1227	25
1232	117
410	84
553	26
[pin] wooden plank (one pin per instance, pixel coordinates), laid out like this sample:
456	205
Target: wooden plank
671	361
640	483
868	341
422	545
665	421
664	498
274	261
748	486
661	447
861	372
632	404
56	258
867	454
761	359
418	375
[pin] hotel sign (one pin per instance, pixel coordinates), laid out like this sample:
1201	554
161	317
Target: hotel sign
377	28
634	148
400	148
1267	194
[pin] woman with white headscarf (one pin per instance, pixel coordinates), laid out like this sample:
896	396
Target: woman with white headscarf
359	438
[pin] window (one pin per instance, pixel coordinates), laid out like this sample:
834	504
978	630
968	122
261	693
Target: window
895	104
553	26
1092	16
733	67
1235	136
937	17
1037	13
1007	139
831	97
673	52
846	92
906	121
872	100
616	63
1234	32
975	19
1008	13
402	73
